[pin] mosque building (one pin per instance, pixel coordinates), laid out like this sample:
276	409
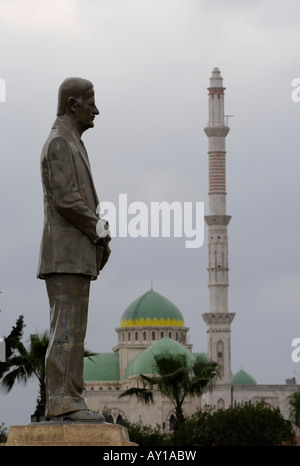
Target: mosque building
150	325
153	325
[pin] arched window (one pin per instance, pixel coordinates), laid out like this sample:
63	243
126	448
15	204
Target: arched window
170	334
136	336
220	355
171	422
120	420
144	336
162	334
129	336
153	335
220	403
176	336
220	350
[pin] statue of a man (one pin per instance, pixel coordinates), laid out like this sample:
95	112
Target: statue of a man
72	253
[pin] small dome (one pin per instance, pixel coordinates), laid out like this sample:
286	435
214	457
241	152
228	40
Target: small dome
101	367
152	309
242	378
144	363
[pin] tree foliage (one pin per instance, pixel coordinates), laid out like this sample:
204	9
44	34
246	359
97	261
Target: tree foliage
3	433
11	343
244	424
146	435
294	403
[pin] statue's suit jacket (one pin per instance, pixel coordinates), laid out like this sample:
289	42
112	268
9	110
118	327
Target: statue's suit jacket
69	239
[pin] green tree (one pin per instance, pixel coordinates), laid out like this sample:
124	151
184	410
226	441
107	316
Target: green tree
146	435
3	433
294	403
176	379
11	343
244	424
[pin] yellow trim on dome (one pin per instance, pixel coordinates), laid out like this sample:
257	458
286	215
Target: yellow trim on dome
159	322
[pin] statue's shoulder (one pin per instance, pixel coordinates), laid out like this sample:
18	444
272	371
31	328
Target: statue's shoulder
60	142
60	130
57	146
60	133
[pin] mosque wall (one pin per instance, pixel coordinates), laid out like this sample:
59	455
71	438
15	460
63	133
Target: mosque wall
161	412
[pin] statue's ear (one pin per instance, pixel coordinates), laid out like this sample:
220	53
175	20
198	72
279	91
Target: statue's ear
72	104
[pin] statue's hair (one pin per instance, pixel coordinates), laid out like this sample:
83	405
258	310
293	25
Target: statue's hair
71	87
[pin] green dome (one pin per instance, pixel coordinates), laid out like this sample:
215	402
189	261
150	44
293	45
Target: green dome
144	363
242	378
152	309
102	367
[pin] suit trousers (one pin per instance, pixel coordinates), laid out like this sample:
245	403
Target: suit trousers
68	298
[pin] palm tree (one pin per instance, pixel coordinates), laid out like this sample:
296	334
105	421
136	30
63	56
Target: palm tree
176	379
28	362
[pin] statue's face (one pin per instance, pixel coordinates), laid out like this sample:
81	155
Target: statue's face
86	110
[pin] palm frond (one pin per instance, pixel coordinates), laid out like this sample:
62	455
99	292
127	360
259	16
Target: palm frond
149	380
168	363
90	354
17	374
144	395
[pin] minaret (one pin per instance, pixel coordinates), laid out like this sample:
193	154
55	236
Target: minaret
218	319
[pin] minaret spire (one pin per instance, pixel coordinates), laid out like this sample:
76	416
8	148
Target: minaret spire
218	319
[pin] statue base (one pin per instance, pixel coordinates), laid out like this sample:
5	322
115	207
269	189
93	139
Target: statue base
47	434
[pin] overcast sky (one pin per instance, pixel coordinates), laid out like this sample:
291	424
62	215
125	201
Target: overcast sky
150	62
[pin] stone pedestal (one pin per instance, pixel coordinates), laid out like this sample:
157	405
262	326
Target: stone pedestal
68	435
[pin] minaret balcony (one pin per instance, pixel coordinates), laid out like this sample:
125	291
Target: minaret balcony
215	220
216	131
224	318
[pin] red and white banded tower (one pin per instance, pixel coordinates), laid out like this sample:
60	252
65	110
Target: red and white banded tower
218	319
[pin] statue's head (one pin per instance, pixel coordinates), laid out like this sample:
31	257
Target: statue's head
76	98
